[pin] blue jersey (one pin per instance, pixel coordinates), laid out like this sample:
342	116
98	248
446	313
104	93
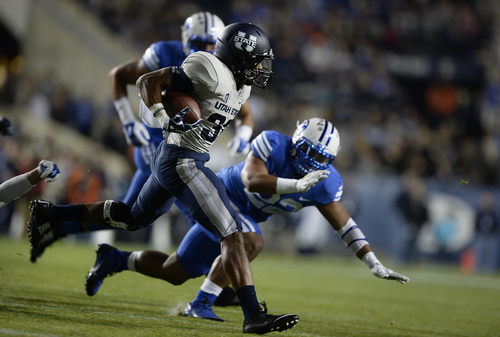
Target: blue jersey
160	55
274	149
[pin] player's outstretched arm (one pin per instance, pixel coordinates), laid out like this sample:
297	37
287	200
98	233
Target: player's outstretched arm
355	240
256	178
118	79
20	185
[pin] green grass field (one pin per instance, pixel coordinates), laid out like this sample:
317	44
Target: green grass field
333	297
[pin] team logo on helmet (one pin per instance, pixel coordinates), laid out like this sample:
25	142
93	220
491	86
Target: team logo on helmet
243	43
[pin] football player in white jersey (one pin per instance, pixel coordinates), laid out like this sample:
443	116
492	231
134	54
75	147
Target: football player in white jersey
19	185
199	33
281	174
220	83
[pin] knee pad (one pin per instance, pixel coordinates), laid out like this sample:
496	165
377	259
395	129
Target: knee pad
121	212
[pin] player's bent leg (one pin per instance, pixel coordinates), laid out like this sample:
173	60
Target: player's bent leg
235	261
162	266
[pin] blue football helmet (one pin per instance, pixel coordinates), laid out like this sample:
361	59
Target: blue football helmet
199	29
315	144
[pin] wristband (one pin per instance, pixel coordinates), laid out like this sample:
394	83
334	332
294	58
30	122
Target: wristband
124	109
244	132
285	186
159	112
352	236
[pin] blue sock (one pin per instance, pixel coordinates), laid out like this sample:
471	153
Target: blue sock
202	296
73	212
120	259
247	298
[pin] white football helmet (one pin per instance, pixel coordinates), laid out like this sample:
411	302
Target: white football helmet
316	143
201	27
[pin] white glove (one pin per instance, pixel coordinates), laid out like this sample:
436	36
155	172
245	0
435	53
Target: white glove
285	186
49	170
239	146
136	133
380	271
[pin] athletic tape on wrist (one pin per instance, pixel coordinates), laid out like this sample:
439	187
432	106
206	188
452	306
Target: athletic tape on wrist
352	236
159	112
285	186
106	214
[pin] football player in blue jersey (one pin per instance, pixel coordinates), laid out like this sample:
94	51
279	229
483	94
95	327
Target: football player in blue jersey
221	84
199	33
280	174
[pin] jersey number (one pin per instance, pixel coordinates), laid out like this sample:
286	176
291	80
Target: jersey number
211	134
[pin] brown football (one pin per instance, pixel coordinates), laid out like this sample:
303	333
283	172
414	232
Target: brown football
176	101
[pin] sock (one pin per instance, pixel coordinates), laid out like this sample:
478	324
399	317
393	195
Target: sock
247	298
73	212
208	291
202	296
131	261
120	259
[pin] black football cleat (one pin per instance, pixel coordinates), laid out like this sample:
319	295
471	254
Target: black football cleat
48	239
39	224
263	322
226	298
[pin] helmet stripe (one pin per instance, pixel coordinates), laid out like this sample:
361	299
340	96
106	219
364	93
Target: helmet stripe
324	131
331	134
206	22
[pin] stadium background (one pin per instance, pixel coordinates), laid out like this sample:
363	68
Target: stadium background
413	87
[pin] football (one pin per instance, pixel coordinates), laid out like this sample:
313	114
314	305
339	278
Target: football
175	101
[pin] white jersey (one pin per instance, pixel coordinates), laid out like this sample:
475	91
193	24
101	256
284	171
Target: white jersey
219	100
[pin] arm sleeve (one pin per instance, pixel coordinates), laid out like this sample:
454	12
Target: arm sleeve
14	188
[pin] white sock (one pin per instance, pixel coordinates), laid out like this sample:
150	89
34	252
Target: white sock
131	261
210	287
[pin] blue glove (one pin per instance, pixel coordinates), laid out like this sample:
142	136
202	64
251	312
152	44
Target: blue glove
136	133
177	125
5	127
49	170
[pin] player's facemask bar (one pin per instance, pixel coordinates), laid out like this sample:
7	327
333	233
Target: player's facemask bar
262	73
310	157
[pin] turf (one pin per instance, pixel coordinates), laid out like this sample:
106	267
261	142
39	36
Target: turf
333	297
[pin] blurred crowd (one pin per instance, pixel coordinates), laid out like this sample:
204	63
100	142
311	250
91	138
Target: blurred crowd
413	86
333	59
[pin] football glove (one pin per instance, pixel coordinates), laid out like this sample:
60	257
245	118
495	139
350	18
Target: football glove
136	133
386	273
285	186
311	179
49	170
238	147
5	127
380	271
176	124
